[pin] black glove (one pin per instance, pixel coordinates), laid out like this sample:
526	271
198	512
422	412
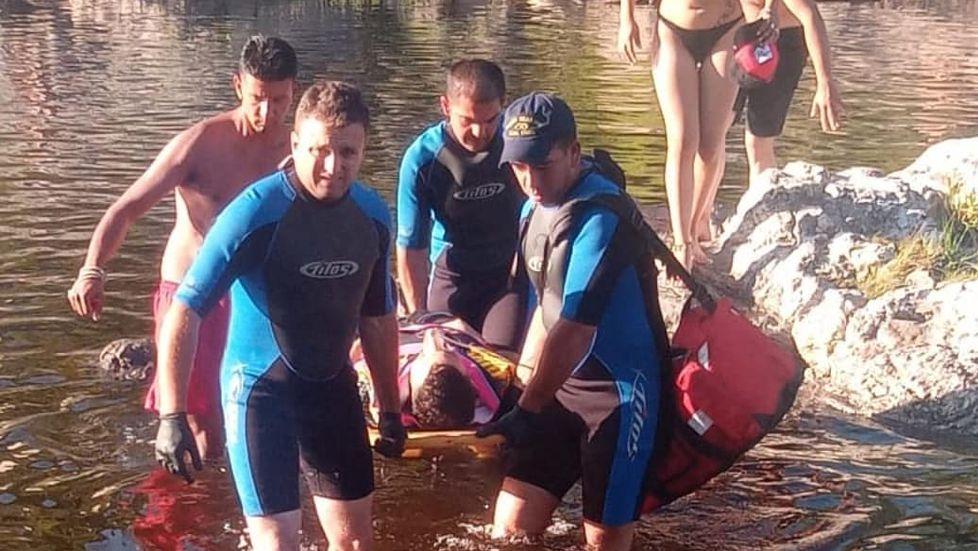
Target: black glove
173	440
392	435
518	426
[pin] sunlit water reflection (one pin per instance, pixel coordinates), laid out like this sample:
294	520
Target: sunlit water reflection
90	91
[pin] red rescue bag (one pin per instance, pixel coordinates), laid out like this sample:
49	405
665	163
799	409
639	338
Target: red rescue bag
730	385
725	384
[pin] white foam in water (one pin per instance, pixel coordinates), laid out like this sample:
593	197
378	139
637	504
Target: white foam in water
476	537
561	527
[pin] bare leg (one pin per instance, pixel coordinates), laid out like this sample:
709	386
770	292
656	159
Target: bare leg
717	95
348	524
522	509
760	154
677	90
279	532
703	229
608	538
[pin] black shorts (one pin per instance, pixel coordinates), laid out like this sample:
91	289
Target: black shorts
767	105
279	425
591	434
490	301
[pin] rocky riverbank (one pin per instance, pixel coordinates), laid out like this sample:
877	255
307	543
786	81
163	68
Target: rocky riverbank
814	251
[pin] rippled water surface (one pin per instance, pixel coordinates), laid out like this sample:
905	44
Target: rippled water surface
91	90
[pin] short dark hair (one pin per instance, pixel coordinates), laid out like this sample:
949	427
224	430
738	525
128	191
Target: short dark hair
268	58
445	400
563	142
336	104
478	79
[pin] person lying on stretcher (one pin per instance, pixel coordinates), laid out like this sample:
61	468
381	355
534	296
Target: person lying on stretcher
449	378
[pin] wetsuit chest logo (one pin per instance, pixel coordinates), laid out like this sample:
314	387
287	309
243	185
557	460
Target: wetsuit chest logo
477	193
534	255
329	269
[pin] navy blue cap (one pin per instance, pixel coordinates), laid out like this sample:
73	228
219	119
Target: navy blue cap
532	125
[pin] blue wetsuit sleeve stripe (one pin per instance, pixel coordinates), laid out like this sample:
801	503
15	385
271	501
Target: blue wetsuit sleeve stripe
220	271
413	204
531	295
593	268
236	243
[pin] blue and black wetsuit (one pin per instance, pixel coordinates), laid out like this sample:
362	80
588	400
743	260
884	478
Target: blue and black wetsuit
464	208
301	273
601	427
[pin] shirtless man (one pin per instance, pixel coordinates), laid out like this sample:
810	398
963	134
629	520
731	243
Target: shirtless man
206	165
802	33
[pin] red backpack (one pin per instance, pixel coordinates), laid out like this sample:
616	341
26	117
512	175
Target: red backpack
728	387
725	384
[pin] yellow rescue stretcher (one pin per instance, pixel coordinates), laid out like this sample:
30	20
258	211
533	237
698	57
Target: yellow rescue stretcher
432	443
425	444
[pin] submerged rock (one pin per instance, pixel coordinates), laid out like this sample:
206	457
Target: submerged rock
128	359
801	239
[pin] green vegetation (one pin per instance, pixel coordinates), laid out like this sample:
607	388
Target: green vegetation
959	235
949	255
911	254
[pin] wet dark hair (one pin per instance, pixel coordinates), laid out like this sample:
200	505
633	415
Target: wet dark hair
478	79
445	400
268	58
336	104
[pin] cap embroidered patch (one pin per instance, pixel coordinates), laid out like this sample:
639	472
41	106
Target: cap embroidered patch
527	125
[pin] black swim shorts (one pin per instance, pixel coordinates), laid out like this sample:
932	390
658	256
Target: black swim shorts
767	105
590	434
280	425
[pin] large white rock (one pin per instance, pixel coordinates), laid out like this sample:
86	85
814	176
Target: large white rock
799	240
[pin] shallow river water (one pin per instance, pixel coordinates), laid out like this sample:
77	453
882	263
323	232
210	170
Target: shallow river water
90	90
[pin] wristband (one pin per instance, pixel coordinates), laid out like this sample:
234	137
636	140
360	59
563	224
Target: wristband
92	272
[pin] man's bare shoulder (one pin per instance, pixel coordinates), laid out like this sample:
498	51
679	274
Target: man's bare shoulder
184	143
224	121
209	129
209	137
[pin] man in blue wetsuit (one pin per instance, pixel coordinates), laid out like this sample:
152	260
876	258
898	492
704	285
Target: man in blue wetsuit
458	212
589	410
305	254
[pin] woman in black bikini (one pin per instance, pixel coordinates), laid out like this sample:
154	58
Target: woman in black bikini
690	46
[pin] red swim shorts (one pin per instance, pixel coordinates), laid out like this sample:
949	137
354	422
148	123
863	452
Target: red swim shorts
204	393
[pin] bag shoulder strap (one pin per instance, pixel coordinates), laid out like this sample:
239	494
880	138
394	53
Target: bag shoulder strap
625	208
644	265
609	168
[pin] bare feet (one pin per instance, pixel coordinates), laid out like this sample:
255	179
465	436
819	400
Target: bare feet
690	254
697	254
705	232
